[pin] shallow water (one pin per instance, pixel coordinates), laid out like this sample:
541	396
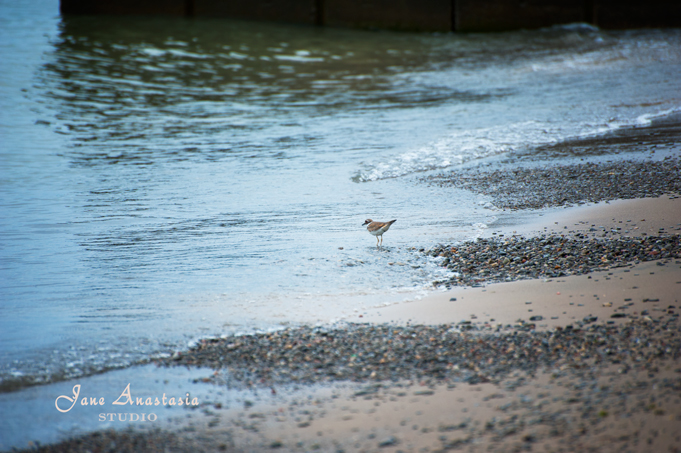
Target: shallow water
166	179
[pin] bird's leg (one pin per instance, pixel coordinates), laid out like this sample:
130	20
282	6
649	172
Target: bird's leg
376	241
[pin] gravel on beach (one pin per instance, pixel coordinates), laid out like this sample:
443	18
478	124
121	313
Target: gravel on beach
458	352
597	374
564	185
502	260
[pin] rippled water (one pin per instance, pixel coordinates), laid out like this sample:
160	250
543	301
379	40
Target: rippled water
164	179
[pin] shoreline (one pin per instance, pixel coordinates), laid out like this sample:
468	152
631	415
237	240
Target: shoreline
556	383
541	359
186	269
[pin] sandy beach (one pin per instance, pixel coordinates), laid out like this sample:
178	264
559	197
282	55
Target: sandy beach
582	355
183	264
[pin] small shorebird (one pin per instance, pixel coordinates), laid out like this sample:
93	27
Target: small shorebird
378	228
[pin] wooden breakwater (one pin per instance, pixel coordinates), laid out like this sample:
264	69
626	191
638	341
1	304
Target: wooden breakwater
413	15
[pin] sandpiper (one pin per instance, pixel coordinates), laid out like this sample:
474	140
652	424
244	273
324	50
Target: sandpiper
378	228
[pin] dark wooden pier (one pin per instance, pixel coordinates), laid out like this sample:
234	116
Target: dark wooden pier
411	15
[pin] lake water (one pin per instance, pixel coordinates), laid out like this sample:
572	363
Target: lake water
164	179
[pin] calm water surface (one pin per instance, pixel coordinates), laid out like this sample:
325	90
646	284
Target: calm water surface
165	179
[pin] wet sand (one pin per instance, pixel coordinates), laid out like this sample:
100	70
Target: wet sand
633	218
565	410
634	291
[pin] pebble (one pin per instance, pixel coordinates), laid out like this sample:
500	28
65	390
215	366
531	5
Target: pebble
389	442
